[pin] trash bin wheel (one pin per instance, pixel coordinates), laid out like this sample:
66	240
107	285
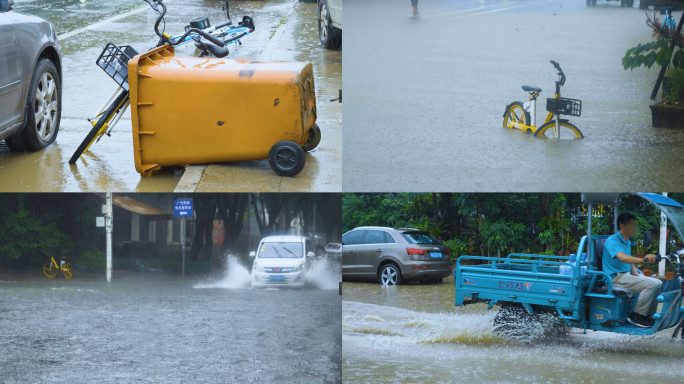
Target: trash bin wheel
313	139
286	158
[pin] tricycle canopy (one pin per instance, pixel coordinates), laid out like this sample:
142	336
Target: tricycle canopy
672	209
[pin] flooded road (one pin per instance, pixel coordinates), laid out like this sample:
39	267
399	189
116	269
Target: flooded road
436	89
83	30
146	328
414	333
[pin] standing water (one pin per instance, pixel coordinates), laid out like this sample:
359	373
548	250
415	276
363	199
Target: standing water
414	333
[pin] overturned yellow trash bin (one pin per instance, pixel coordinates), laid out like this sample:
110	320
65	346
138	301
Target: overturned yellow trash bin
197	110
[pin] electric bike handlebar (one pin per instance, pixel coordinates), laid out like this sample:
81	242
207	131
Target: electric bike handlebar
560	71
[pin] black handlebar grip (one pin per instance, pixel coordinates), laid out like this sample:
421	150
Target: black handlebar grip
217	51
555	64
212	39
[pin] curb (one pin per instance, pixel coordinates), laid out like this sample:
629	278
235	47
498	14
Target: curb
193	173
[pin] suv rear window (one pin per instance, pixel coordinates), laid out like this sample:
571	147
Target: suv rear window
353	237
420	238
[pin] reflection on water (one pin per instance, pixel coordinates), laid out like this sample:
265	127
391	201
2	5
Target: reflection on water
415	334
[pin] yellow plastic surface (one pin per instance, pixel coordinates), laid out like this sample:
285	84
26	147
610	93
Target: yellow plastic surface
193	110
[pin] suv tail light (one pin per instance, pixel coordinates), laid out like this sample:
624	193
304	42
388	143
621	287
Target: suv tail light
415	251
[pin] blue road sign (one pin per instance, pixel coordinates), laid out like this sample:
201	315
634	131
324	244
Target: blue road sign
182	208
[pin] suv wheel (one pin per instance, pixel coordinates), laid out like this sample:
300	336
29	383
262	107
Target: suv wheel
389	274
328	35
43	108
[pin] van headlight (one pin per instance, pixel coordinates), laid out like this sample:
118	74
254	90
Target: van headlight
256	267
298	268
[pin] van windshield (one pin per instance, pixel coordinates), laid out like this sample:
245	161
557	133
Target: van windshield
274	250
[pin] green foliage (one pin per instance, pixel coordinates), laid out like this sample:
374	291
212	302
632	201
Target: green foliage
501	234
93	261
675	89
458	247
482	223
655	52
29	240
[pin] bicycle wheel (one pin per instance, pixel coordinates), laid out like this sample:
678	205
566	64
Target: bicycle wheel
66	269
49	271
100	126
567	131
515	114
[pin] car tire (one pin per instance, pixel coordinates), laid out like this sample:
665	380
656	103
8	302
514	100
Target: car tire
286	158
43	107
15	143
329	36
389	274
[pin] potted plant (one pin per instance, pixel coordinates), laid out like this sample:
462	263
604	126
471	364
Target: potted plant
669	112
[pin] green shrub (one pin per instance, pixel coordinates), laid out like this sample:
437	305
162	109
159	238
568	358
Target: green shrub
94	261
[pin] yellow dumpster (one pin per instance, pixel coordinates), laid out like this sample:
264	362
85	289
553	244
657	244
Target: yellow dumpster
197	110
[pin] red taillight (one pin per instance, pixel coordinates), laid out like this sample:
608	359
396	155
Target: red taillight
446	252
423	267
415	251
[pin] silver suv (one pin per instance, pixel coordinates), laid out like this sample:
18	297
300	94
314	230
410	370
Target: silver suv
30	80
393	255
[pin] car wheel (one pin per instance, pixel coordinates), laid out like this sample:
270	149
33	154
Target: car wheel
326	32
390	274
43	107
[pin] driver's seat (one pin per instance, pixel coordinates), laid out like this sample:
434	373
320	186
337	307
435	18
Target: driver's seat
598	266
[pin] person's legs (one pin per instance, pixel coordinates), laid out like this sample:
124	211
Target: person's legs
414	3
647	288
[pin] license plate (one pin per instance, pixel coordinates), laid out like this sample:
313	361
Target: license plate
436	255
276	277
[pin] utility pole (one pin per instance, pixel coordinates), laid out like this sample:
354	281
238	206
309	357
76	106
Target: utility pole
109	225
662	246
183	244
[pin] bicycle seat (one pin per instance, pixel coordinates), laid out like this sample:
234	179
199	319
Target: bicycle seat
529	88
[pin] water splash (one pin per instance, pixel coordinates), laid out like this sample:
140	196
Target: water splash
236	276
324	274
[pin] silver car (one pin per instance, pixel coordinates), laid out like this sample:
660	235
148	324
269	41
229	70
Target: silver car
393	255
330	23
30	80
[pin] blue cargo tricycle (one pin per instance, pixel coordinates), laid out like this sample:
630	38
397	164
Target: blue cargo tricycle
538	293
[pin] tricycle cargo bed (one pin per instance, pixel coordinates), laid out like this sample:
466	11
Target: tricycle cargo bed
531	280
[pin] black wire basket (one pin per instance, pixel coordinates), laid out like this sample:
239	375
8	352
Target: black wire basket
563	106
114	61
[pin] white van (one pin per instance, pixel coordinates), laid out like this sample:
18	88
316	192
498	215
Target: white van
282	260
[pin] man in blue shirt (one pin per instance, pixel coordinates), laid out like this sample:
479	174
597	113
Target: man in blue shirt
619	263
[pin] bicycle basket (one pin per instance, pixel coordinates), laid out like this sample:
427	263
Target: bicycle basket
563	106
114	61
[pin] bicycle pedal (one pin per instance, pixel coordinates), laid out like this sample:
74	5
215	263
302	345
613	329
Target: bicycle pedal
109	134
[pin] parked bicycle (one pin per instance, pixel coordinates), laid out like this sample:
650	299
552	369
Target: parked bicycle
52	268
522	116
669	21
210	41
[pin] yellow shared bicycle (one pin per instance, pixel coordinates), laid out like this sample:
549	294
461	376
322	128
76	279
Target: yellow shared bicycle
517	114
52	268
